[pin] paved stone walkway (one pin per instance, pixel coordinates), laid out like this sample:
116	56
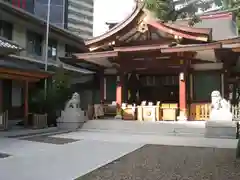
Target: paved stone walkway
30	160
38	161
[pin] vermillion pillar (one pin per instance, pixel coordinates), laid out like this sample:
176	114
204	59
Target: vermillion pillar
119	95
1	95
26	103
182	97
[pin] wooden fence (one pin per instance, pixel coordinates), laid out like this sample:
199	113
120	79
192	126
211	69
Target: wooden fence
235	109
39	121
201	111
4	120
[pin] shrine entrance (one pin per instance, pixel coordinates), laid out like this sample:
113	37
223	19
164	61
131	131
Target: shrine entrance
163	88
158	62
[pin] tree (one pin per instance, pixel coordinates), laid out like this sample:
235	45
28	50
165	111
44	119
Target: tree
231	5
58	93
165	9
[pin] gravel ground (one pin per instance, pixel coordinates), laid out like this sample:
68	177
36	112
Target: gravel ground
157	162
50	140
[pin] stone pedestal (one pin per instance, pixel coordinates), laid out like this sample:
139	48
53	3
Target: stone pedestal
71	119
220	129
182	116
118	116
119	113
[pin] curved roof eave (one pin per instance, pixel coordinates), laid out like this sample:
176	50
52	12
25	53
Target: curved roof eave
120	26
138	11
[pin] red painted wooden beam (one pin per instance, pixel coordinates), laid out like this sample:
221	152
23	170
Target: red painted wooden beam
163	41
172	31
104	54
187	48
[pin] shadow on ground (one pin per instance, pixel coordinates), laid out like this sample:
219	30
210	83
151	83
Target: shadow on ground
158	162
50	140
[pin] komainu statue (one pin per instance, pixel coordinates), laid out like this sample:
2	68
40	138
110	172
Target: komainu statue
74	102
220	108
72	117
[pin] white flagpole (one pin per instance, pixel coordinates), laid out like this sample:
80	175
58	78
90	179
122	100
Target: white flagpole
46	45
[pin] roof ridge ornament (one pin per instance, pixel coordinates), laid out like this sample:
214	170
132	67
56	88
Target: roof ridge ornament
140	3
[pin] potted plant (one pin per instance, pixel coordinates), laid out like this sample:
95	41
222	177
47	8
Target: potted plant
37	106
48	104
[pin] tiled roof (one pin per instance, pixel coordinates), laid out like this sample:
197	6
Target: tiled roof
4	43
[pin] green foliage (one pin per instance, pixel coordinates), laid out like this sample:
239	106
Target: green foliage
232	5
58	92
165	10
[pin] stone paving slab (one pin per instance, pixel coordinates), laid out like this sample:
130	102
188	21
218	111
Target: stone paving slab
23	148
158	162
42	161
50	140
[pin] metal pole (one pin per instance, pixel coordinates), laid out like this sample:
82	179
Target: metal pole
64	11
46	45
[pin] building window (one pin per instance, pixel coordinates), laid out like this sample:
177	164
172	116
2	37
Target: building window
6	29
34	43
52	49
29	5
70	50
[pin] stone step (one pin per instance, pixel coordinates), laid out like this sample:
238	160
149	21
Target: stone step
15	133
128	132
163	128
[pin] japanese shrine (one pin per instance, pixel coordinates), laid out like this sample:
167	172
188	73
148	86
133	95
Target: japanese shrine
157	71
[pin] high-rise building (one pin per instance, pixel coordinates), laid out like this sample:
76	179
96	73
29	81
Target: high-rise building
27	5
79	17
40	7
57	11
74	15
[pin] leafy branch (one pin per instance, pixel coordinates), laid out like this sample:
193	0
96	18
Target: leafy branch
166	11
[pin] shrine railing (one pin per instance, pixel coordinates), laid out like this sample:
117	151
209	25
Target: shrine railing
235	109
201	111
4	120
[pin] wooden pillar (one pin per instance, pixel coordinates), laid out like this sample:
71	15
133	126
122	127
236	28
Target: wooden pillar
26	108
102	87
119	95
1	96
224	84
119	89
182	94
191	87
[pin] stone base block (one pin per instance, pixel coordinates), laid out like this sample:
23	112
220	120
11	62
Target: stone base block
118	117
69	125
71	119
182	116
220	129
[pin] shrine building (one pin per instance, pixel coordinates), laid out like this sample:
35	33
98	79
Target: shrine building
143	60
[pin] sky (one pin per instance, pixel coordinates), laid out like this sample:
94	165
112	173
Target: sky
110	11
